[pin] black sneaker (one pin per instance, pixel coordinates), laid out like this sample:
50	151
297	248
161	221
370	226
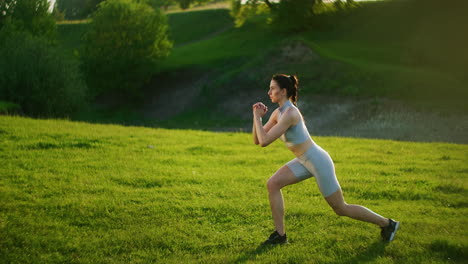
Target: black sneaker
388	232
275	238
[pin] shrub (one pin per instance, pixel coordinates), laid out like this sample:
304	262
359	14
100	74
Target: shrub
28	15
122	46
38	77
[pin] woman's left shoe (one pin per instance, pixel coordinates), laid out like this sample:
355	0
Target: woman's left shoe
276	238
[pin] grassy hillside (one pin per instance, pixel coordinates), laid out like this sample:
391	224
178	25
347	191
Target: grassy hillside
75	192
383	49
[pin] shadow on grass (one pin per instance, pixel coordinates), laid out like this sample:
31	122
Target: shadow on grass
252	254
374	251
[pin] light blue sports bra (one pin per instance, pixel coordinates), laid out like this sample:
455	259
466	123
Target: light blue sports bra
296	134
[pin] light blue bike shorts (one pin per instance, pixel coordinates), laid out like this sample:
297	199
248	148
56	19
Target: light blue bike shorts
318	163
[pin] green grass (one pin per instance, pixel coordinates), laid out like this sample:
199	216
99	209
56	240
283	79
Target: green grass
73	192
203	20
401	47
222	50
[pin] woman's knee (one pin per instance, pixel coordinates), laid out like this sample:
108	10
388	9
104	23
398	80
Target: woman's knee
283	177
273	184
341	210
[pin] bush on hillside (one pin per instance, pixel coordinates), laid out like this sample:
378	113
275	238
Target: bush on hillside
38	76
122	46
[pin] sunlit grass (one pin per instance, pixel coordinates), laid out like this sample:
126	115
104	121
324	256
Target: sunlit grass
75	192
214	5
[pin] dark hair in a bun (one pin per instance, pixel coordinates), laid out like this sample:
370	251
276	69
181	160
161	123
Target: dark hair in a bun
290	83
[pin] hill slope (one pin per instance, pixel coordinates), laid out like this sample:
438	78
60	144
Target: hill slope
216	71
81	193
405	53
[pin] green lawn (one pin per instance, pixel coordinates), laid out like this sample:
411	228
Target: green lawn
74	192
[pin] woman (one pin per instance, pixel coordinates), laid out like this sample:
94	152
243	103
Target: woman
286	123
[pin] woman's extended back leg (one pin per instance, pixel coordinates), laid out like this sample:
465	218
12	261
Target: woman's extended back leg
336	201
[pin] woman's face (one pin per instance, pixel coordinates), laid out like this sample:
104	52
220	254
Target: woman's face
275	92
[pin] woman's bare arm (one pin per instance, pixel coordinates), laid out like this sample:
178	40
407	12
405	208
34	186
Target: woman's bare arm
254	134
271	122
264	137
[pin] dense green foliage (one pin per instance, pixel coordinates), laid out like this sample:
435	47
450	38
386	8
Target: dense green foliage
124	42
28	15
74	192
38	76
294	15
288	15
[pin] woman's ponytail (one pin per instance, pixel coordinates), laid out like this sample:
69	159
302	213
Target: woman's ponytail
295	92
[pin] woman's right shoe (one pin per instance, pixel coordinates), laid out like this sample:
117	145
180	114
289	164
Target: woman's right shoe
388	232
276	238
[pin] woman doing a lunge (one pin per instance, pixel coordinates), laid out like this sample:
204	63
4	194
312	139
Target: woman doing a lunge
287	123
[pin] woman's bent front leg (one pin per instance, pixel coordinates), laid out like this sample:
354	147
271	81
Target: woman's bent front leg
283	177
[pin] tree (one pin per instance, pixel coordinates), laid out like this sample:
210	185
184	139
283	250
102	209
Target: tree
286	15
121	49
28	15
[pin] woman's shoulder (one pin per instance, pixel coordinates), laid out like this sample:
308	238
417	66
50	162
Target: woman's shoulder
292	113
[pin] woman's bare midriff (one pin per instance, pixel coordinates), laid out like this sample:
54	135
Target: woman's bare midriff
300	149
